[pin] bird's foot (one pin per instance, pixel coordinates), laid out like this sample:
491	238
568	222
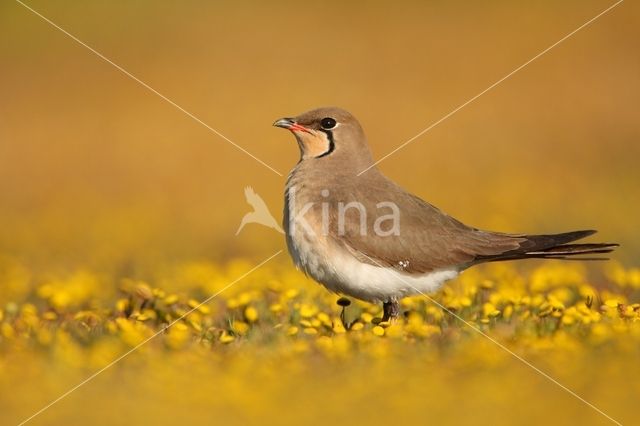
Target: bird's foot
391	311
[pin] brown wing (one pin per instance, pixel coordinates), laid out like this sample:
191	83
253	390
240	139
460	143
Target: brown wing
427	239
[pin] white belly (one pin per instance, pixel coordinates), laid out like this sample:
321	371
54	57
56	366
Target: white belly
339	271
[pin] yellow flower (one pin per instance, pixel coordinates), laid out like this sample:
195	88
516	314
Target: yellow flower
240	327
489	310
507	312
430	330
147	314
251	314
338	327
195	323
122	305
171	299
394	330
487	284
612	303
357	326
378	331
435	313
366	317
307	311
465	301
324	319
555	303
131	333
245	298
291	293
226	337
204	309
276	308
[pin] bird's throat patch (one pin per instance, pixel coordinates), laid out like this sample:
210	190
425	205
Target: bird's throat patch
317	144
332	144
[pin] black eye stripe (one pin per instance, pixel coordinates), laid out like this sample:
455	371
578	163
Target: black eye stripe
332	144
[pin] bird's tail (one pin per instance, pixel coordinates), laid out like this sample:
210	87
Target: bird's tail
556	246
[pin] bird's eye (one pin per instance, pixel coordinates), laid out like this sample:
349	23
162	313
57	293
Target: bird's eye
328	123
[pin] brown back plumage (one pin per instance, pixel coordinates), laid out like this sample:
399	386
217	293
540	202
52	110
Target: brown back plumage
428	239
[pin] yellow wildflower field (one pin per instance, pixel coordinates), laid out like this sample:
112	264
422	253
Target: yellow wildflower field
276	346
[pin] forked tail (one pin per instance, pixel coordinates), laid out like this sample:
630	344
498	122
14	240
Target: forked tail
555	246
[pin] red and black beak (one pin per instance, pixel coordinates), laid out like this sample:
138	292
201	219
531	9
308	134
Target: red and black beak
290	124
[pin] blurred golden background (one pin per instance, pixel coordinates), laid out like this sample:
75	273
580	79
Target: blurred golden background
97	172
87	154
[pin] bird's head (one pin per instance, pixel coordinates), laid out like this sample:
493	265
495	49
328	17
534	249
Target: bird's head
325	133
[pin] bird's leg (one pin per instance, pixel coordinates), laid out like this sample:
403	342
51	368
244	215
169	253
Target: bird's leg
391	310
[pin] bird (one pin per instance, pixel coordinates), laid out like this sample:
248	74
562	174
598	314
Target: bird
362	235
260	213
